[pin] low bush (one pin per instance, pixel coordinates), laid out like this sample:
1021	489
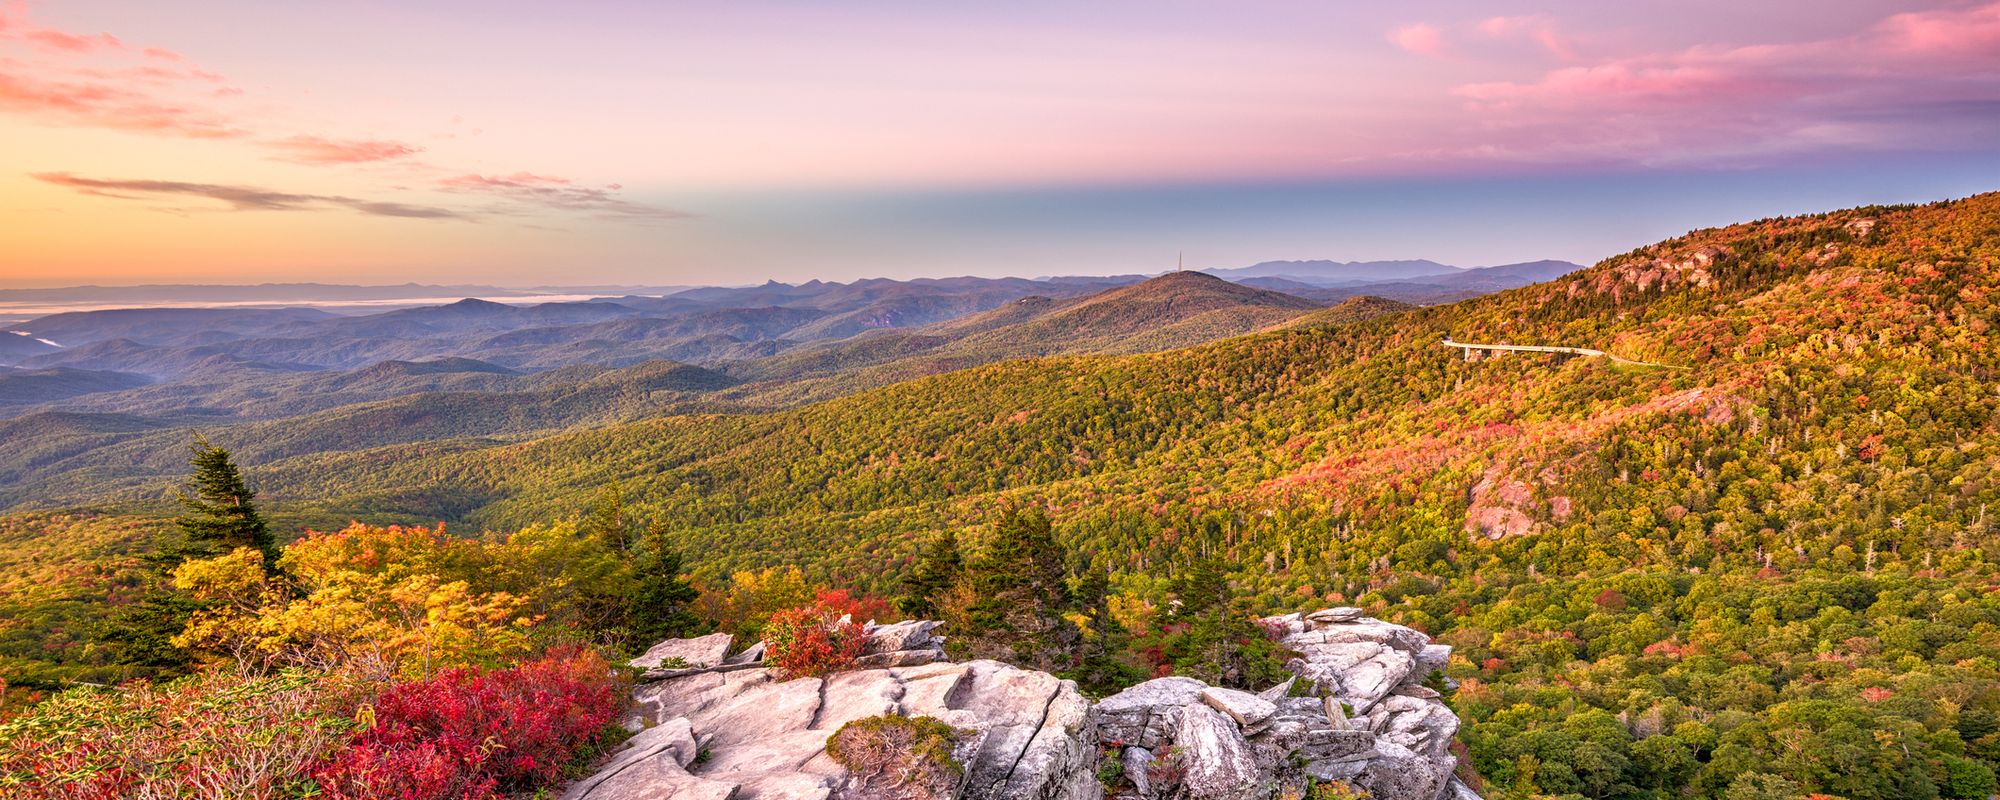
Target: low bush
471	734
812	641
216	734
892	757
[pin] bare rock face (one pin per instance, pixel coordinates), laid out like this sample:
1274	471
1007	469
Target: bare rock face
1370	721
704	651
765	739
731	730
1217	761
1146	715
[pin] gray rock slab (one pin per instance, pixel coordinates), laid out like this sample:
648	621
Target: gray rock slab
1246	709
1216	762
701	651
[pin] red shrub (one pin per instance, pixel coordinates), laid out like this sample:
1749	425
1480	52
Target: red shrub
861	608
468	734
804	642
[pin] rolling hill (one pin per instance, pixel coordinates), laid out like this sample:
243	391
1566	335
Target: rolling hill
24	386
1368	416
1174	310
1774	556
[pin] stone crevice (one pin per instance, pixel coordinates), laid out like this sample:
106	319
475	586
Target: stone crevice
820	709
1030	743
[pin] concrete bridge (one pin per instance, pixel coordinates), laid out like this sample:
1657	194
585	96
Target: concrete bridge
1469	348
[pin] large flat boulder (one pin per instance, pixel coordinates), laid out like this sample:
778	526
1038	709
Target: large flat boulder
911	635
701	651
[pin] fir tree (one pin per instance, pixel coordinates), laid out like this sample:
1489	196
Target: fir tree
1020	591
219	515
1101	670
938	565
1212	642
662	602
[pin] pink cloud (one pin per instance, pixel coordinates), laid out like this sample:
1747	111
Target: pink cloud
240	198
70	42
1420	38
555	193
320	150
1931	77
105	105
519	181
1974	31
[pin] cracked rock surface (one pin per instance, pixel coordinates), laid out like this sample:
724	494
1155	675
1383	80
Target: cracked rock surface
766	738
1357	712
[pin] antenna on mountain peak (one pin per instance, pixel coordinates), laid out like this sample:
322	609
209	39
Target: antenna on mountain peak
1180	261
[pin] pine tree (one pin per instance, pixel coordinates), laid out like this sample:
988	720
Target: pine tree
938	565
1101	670
219	513
662	602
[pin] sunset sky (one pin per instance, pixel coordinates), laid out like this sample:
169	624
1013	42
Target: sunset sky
536	143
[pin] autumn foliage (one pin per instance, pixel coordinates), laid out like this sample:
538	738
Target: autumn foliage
470	734
213	735
812	641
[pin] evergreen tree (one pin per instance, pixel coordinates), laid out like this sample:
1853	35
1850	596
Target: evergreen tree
1101	670
1213	643
938	565
138	635
662	602
1019	590
219	515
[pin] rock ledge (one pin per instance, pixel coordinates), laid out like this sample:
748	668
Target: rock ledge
715	726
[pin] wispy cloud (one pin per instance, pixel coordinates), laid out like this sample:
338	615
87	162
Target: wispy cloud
102	104
321	150
240	198
557	193
1540	28
97	80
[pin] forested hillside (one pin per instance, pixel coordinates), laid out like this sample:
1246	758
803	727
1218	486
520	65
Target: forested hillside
1768	570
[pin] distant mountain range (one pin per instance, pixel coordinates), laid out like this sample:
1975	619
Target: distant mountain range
903	303
1421	282
279	383
199	293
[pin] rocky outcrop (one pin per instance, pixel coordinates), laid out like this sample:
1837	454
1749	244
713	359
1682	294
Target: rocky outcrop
1358	712
1363	716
